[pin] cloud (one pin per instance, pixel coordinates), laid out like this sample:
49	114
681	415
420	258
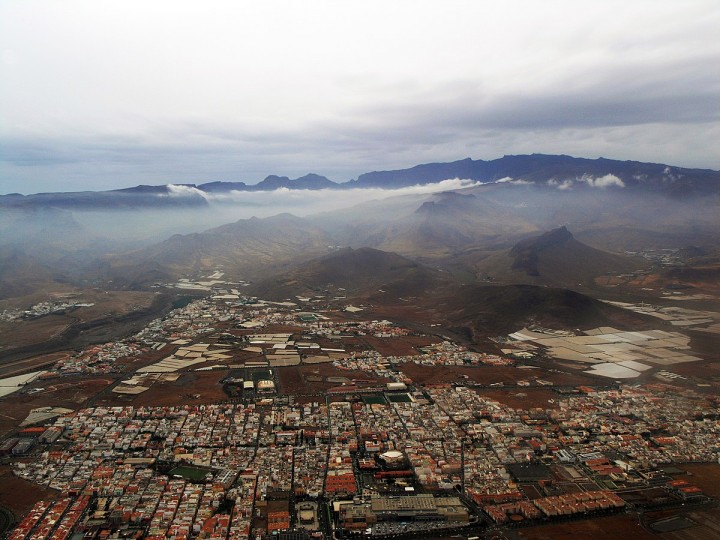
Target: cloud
304	201
508	180
604	181
184	191
561	185
124	97
234	205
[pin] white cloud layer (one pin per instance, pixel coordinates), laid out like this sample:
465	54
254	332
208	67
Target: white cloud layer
306	202
604	181
185	191
561	185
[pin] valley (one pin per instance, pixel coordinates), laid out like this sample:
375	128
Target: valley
502	359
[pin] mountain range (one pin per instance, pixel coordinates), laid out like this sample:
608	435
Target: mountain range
532	240
502	230
550	171
388	280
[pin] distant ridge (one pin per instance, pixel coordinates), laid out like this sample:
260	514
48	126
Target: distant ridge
309	181
556	170
545	171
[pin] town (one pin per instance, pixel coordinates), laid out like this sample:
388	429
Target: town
305	419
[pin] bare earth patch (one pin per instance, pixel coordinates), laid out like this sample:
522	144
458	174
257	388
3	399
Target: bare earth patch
620	526
20	495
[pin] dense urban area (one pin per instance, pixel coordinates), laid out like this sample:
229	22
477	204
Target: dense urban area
326	424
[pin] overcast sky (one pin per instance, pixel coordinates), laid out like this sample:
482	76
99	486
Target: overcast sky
101	94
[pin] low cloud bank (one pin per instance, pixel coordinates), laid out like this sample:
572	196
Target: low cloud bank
178	190
143	225
602	182
305	202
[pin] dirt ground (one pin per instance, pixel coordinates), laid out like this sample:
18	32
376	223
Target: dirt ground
411	312
702	377
277	329
619	526
69	392
294	379
26	332
35	363
20	495
191	387
524	398
78	392
134	362
21	333
487	375
704	475
706	371
399	346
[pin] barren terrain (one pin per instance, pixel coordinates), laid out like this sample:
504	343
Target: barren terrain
488	375
20	495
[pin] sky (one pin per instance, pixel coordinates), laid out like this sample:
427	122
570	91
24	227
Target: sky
98	94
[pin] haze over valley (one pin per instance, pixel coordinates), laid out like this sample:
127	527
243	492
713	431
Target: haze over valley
571	273
385	270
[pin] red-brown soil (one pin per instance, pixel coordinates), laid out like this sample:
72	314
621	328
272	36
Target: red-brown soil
68	392
399	346
35	363
620	526
487	375
26	332
20	495
294	379
191	387
524	398
704	475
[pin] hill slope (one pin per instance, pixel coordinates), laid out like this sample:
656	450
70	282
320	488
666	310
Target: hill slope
494	310
355	272
244	249
554	257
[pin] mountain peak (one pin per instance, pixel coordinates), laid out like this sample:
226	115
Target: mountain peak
219	186
526	253
309	181
313	181
556	257
553	237
447	203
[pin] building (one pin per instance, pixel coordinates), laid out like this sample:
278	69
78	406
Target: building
266	386
23	446
393	458
8	445
423	507
51	434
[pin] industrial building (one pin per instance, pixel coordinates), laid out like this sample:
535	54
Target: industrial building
423	507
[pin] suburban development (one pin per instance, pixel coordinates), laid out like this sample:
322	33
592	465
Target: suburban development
234	417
